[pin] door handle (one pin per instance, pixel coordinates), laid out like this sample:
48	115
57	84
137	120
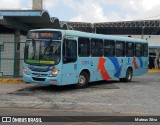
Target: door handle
75	66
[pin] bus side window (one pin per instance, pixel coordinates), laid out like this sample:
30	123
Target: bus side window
120	49
109	48
129	49
96	47
138	49
145	50
69	51
83	47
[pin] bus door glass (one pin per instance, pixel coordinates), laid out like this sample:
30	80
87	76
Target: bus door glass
145	55
129	53
69	69
120	55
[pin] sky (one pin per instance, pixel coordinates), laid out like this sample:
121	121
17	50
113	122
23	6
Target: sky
93	11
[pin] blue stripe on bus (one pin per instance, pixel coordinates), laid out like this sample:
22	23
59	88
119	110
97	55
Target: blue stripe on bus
141	62
117	74
116	65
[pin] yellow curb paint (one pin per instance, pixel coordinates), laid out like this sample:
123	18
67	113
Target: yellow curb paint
153	70
13	81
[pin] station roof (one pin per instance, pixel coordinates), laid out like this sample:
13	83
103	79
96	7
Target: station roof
148	27
28	19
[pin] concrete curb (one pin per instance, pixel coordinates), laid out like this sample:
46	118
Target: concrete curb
12	80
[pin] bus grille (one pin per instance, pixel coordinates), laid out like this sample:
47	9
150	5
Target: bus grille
39	70
40	75
38	79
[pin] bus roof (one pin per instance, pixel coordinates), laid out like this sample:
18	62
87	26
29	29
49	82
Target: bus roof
93	35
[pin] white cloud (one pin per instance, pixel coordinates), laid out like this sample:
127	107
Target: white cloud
50	3
93	10
150	4
10	4
87	11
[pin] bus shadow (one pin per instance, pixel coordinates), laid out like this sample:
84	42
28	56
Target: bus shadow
104	85
27	91
32	90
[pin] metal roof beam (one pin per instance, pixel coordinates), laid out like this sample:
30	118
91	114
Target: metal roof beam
143	23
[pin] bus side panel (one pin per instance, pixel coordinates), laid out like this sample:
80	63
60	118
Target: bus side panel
112	67
69	78
69	74
100	68
107	68
140	65
90	64
126	62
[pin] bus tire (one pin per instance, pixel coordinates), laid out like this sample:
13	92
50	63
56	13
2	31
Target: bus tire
128	77
82	80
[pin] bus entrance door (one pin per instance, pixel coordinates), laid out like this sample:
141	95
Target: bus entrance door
69	73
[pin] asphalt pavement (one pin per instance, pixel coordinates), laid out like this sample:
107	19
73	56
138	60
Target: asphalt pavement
141	97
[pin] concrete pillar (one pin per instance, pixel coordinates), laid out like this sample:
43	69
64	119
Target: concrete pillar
37	5
95	30
17	53
142	35
157	64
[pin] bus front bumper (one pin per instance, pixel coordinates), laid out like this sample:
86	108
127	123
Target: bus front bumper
43	80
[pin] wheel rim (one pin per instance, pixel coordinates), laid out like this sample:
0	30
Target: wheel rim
129	75
82	80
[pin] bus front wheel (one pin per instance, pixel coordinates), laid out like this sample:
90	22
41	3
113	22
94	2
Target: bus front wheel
82	80
128	77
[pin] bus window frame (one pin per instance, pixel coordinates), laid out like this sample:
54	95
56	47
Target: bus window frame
122	49
86	47
141	50
133	49
65	58
144	51
110	47
97	42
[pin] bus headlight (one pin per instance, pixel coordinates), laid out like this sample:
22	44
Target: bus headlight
54	73
25	71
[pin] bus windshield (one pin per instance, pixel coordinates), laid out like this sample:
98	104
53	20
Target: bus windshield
42	52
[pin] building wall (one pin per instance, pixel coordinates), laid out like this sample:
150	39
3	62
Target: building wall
22	45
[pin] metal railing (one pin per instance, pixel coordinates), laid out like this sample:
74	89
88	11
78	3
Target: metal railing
10	65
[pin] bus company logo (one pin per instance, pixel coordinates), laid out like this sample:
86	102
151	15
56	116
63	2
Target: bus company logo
6	119
38	75
85	62
88	62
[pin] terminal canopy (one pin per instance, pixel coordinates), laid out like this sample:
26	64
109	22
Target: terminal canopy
27	19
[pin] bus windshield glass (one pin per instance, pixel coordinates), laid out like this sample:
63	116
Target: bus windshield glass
42	52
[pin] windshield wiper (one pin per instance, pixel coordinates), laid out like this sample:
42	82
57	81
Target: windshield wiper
56	47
